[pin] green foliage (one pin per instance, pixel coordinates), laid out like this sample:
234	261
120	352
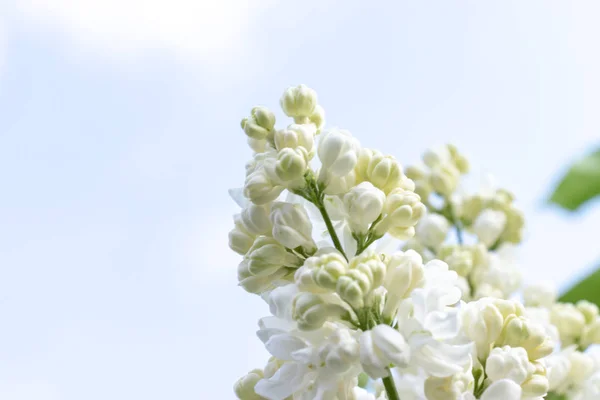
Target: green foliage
580	184
554	396
587	289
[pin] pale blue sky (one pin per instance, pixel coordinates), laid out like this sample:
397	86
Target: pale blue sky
119	137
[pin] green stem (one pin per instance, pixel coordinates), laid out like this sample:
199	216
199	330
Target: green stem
330	228
390	387
459	235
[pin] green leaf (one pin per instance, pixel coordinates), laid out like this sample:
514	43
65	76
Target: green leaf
580	184
587	289
554	396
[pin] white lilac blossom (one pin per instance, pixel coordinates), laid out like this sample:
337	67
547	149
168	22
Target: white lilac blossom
391	276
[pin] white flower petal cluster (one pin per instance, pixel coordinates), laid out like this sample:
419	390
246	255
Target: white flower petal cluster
321	223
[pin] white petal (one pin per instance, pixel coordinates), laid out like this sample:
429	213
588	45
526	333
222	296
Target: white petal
283	384
237	194
503	389
283	345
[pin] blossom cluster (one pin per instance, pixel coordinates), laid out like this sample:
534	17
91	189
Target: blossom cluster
385	282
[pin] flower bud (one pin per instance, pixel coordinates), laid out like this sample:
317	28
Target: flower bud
434	158
341	351
267	255
537	385
318	118
244	387
257	145
291	165
515	221
310	311
449	388
582	366
299	101
404	273
590	334
370	264
488	226
588	309
338	185
482	322
291	225
568	320
444	179
257	284
403	210
337	152
458	258
327	268
380	347
364	204
240	240
259	124
542	294
296	136
259	187
365	273
522	332
350	290
256	219
384	172
508	363
432	230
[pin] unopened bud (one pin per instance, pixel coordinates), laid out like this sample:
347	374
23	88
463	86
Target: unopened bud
244	387
299	101
363	204
259	124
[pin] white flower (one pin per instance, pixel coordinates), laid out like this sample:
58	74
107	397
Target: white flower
380	347
291	225
260	187
258	284
317	118
337	152
240	240
259	124
311	311
296	135
311	368
432	230
384	172
291	165
325	268
431	325
405	272
568	320
509	363
403	209
541	294
365	273
244	387
455	387
267	255
364	204
255	219
519	331
488	226
338	185
482	322
502	390
299	101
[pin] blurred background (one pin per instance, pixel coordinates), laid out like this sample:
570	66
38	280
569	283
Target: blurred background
119	137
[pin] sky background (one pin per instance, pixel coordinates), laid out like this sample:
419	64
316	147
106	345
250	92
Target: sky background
119	137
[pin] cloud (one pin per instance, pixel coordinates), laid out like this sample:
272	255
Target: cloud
206	29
